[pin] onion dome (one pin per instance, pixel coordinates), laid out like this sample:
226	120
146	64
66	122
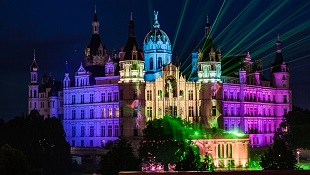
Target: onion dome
156	39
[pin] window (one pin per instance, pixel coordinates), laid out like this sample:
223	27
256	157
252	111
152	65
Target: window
190	111
148	95
102	97
285	111
104	114
73	114
149	112
135	94
213	110
91	113
82	131
116	130
42	104
121	94
82	143
109	96
122	111
159	63
151	64
91	143
109	131
91	131
159	94
115	96
226	127
73	99
73	131
73	143
82	114
102	131
82	99
190	95
91	96
116	110
61	103
110	112
284	99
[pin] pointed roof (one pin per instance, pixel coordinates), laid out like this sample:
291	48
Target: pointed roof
279	57
34	66
81	70
208	44
67	67
95	15
131	42
95	39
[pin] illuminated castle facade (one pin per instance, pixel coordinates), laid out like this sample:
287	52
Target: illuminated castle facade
47	96
114	95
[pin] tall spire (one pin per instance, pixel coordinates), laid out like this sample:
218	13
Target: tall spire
278	45
156	24
34	66
67	67
34	54
207	27
95	22
95	8
131	26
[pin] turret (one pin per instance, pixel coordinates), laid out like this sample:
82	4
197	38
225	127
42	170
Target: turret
109	68
34	68
157	51
95	53
33	86
280	76
66	83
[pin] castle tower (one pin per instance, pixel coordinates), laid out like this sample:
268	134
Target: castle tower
157	51
132	80
33	87
95	52
280	76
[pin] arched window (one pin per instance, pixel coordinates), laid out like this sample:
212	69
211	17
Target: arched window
151	64
159	62
35	93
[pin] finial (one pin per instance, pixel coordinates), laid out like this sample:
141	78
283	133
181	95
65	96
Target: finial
156	24
207	18
278	37
34	54
219	48
130	16
95	7
67	68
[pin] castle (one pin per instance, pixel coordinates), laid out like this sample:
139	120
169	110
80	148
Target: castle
113	95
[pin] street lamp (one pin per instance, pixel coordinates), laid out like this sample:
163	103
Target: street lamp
298	157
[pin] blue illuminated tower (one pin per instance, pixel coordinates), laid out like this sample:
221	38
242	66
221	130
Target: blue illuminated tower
157	51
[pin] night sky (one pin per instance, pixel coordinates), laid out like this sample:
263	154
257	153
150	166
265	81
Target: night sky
60	30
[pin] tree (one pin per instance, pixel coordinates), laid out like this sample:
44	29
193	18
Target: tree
297	124
280	155
167	140
41	140
13	161
120	157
